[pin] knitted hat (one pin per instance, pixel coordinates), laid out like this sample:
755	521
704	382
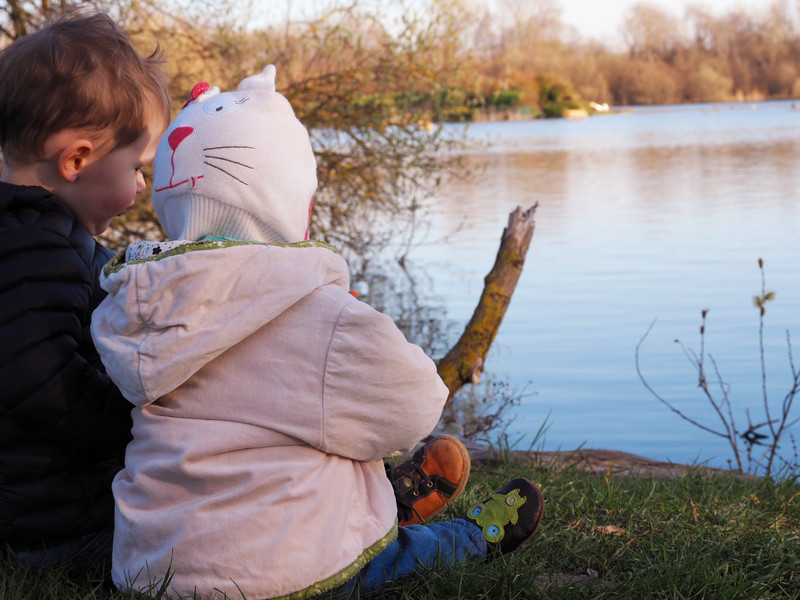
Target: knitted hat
236	165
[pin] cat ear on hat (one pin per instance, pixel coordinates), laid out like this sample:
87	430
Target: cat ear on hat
200	91
263	81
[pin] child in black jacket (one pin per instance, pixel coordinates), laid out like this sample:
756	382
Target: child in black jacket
80	113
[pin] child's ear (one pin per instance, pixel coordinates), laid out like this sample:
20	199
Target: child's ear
74	157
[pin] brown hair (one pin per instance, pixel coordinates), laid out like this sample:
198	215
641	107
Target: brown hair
79	72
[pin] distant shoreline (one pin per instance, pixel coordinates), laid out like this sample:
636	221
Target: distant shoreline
597	461
608	462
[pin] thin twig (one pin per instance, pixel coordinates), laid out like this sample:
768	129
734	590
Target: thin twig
661	398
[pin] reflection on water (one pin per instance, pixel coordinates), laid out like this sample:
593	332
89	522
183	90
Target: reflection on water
653	214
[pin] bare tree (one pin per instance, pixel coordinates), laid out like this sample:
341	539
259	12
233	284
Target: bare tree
763	440
20	17
651	33
370	91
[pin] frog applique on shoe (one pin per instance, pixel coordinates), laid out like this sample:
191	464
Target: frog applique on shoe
509	517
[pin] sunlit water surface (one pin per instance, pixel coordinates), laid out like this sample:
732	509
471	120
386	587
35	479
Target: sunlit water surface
652	214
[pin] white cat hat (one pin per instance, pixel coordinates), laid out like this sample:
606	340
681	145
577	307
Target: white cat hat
236	165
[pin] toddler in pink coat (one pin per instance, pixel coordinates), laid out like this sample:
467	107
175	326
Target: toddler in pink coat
265	395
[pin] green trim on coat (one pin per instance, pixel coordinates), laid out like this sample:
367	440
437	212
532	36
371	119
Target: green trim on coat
117	263
347	573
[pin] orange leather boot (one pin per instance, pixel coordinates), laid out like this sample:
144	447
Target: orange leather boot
433	478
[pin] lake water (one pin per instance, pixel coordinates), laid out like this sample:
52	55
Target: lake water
654	213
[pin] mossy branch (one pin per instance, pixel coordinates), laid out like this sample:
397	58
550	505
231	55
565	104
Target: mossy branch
464	362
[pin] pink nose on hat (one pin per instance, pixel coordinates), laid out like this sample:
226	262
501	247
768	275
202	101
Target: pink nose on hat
178	135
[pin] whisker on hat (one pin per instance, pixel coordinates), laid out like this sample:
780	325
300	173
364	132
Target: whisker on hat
221	147
230	160
227	173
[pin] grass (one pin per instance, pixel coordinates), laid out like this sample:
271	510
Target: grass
697	536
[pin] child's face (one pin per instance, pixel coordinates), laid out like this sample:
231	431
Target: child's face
108	184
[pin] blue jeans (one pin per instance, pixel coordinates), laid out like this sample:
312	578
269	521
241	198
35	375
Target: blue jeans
417	549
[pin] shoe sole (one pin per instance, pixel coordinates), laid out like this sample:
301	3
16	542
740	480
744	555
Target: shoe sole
539	514
467	466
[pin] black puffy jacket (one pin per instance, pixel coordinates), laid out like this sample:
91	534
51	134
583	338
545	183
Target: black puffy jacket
63	423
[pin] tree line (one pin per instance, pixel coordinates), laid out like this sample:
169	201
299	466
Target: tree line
484	57
745	54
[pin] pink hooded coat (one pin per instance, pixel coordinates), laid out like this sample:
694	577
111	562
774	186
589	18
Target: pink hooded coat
265	396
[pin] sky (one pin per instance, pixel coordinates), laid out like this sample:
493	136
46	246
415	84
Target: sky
597	19
601	19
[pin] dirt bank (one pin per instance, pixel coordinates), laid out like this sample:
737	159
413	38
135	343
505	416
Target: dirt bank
604	462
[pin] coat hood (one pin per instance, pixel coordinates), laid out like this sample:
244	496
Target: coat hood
168	315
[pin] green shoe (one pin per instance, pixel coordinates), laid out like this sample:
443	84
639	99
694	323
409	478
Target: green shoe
510	516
